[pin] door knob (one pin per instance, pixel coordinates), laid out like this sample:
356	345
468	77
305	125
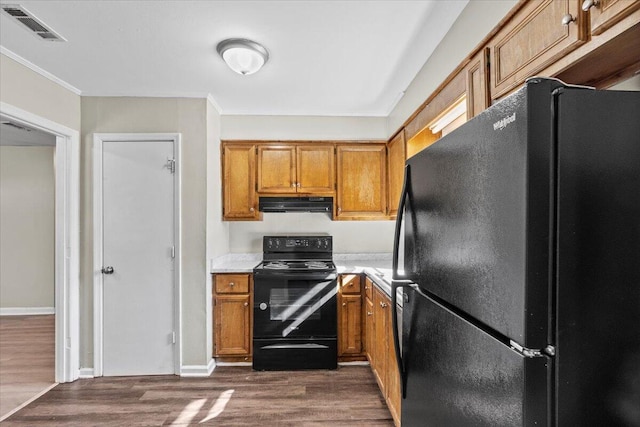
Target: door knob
107	270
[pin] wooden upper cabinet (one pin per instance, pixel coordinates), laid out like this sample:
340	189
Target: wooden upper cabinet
286	169
276	169
315	168
396	156
239	182
361	187
603	14
534	39
477	84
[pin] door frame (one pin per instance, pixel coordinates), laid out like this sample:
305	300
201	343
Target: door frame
98	309
67	239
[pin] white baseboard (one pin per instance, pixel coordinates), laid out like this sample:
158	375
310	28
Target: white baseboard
86	373
234	364
198	370
26	311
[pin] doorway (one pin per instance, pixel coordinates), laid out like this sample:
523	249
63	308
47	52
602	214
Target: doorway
42	319
136	254
67	253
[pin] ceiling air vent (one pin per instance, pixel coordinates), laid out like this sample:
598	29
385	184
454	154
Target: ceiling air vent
30	22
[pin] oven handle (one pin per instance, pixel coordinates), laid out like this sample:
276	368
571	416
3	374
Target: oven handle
293	346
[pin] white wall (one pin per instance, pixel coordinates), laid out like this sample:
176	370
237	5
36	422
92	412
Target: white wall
129	115
348	236
27	238
29	91
303	127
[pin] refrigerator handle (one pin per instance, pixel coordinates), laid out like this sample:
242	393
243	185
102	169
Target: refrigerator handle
396	238
395	284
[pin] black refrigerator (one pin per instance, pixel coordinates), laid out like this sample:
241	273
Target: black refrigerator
520	235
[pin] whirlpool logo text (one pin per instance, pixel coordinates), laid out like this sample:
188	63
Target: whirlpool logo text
502	123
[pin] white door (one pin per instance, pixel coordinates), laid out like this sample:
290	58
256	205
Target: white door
138	240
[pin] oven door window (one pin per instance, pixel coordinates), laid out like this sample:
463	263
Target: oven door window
295	308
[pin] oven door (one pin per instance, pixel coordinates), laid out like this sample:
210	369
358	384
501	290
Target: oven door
295	305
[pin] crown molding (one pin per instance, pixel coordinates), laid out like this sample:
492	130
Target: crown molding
9	54
214	103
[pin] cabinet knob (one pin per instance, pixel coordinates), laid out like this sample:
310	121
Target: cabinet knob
246	304
344	304
298	185
232	284
293	185
252	209
567	19
369	313
339	209
588	4
383	304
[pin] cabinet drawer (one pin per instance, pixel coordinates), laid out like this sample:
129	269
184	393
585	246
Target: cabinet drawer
350	284
231	283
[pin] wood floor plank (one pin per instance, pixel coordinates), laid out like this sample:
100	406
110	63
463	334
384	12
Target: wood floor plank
231	396
27	359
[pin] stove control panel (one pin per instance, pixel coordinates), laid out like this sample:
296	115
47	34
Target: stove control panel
297	244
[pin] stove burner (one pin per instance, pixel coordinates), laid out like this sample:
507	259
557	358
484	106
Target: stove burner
276	265
316	265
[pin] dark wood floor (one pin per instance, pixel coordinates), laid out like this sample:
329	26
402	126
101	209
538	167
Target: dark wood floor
231	396
26	359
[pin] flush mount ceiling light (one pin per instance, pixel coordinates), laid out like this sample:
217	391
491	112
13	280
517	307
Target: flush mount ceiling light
243	56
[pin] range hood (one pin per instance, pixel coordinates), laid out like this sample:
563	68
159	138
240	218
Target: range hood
296	204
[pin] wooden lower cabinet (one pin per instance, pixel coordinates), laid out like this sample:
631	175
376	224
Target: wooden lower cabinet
350	318
380	350
232	313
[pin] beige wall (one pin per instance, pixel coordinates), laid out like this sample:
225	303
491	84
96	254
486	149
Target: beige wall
27	189
29	91
152	115
303	127
348	236
473	25
217	230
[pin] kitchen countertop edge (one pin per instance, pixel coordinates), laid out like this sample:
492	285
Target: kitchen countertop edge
376	266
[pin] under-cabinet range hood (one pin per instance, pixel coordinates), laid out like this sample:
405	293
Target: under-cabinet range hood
296	204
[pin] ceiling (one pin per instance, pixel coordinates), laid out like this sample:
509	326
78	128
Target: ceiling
327	58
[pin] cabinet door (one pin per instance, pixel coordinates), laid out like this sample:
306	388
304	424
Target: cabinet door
362	182
396	158
532	40
349	325
605	13
369	330
232	314
239	183
477	84
315	168
276	169
380	346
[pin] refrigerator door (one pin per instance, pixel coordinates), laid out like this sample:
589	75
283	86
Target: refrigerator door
598	273
457	375
476	226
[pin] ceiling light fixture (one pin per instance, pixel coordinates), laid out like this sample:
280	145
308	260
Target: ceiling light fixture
243	56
